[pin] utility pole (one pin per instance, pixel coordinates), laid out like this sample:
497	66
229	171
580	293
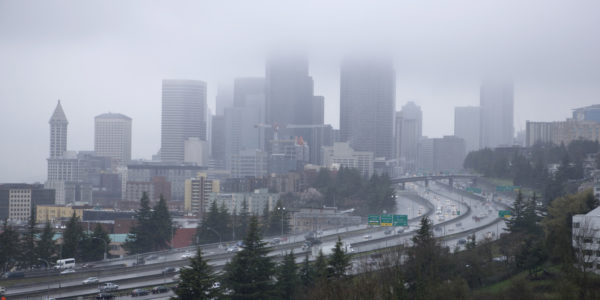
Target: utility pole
282	211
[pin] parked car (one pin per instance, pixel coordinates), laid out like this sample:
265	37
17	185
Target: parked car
108	287
104	296
139	292
160	289
216	285
168	270
90	280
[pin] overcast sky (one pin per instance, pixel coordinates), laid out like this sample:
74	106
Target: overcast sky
101	56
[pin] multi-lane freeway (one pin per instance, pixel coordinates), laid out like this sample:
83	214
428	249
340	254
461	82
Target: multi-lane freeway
455	216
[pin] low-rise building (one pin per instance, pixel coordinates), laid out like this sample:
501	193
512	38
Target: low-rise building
54	213
586	240
342	155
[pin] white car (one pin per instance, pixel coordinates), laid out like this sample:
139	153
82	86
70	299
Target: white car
91	280
233	249
67	271
367	237
187	255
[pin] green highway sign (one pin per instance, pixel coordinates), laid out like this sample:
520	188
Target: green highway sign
474	190
373	220
504	213
400	220
387	220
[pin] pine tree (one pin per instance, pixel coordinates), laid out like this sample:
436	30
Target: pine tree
161	225
223	223
321	271
46	247
197	281
423	264
248	274
28	243
72	236
515	223
287	277
140	238
93	244
307	273
339	261
243	218
9	247
210	221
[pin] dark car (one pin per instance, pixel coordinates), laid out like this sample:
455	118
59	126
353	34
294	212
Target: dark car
159	289
168	270
11	275
102	296
139	292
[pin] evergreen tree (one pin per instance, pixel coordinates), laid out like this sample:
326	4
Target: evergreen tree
287	277
140	238
161	225
29	257
210	221
248	275
72	236
223	225
9	247
243	218
46	247
424	260
307	273
339	261
196	282
321	270
93	244
516	221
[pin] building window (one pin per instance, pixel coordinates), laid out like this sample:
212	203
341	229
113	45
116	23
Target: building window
576	225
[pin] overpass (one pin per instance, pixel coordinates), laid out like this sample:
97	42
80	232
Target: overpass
427	178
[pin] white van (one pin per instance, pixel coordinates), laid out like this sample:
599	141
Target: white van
67	263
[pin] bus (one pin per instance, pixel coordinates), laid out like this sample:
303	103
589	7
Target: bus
67	263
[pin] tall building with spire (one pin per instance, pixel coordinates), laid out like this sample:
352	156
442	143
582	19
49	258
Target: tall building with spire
58	132
65	169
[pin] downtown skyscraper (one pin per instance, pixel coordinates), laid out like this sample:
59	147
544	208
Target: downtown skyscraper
183	116
367	105
497	110
112	137
291	108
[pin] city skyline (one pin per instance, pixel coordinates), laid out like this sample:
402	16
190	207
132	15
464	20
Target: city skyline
75	56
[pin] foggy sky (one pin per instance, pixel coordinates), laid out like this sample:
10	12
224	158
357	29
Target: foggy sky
110	56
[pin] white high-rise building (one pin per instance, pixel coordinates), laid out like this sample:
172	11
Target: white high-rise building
183	116
497	113
411	132
112	137
466	126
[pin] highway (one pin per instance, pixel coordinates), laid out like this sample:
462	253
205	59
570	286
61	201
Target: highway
454	214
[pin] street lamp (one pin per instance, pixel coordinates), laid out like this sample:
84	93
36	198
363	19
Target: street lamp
218	234
47	266
105	245
282	210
